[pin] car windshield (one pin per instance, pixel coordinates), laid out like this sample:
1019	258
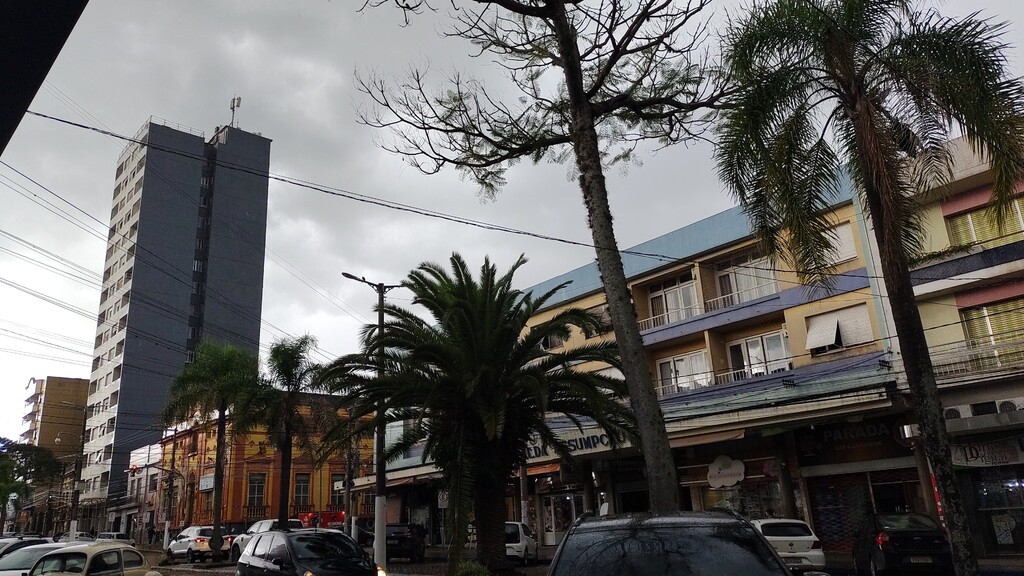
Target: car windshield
69	562
783	529
906	522
23	559
646	551
205	532
325	545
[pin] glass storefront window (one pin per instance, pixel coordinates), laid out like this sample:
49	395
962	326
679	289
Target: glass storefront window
999	492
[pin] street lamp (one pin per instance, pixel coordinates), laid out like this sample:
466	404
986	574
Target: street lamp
76	493
380	501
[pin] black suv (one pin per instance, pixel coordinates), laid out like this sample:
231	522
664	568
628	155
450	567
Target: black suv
299	552
683	544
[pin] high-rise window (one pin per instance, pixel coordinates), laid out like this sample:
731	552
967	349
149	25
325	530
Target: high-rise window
337	496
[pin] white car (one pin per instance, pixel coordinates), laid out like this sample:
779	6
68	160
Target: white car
520	541
116	537
795	542
21	561
193	543
262	526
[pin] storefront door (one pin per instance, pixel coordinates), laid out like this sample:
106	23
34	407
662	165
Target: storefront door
560	511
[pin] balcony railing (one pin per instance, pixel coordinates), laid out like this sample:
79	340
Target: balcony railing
683	383
335	507
739	297
301	509
256	512
988	354
669	316
754	371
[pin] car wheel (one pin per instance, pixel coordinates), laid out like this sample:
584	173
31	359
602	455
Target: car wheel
235	553
526	556
190	556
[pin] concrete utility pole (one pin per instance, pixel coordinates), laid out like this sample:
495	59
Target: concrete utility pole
170	490
380	501
76	494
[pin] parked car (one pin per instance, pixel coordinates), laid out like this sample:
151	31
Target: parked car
795	542
405	541
193	544
690	543
520	542
21	560
240	541
95	559
8	545
324	552
80	537
117	537
901	544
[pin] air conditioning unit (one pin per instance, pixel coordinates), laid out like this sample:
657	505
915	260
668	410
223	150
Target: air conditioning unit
954	412
1010	405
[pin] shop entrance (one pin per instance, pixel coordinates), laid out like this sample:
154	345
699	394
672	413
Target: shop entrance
560	511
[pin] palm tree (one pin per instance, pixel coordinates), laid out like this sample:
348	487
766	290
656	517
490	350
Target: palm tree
869	89
221	378
282	407
474	385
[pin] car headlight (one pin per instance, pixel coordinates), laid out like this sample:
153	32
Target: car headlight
381	571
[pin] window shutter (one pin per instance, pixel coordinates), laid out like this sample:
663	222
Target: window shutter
975	325
960	230
844	248
854	325
1006	318
822	330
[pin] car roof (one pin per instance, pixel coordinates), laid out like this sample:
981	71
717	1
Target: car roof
94	546
648	520
763	521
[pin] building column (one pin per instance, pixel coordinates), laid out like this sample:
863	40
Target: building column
788	456
587	471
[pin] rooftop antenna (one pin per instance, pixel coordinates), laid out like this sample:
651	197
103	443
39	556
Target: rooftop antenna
236	103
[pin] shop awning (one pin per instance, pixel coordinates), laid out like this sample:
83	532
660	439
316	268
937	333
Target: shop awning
709	438
540	469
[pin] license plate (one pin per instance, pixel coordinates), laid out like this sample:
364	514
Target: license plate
392	541
920	559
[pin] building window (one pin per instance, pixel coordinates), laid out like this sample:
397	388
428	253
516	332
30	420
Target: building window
978	227
302	489
742	279
838	329
552	342
257	489
673	300
604	318
685	372
337	496
758	355
842	243
153	480
995	323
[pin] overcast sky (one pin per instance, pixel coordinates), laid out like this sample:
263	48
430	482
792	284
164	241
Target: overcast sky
293	64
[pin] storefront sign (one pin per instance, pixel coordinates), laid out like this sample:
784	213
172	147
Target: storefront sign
851	442
725	471
206	483
989	453
586	442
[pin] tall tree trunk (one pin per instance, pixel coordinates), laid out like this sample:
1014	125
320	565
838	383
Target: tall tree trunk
489	512
217	539
661	470
284	484
880	187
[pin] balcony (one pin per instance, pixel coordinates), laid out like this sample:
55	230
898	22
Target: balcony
1000	353
669	316
741	296
253	513
301	509
752	372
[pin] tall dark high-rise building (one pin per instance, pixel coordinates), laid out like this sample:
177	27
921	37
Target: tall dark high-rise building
184	261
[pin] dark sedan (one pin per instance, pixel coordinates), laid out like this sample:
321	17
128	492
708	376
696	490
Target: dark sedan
300	552
901	544
405	541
